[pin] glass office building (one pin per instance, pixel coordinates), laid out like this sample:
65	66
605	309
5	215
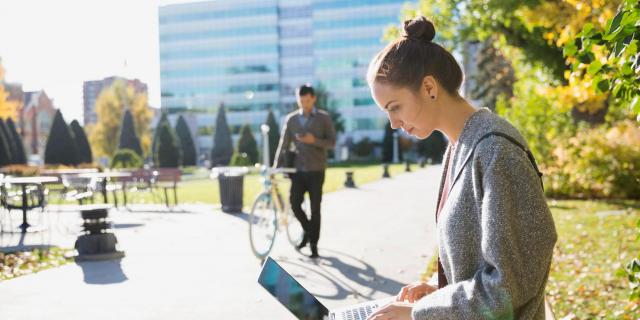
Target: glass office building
250	55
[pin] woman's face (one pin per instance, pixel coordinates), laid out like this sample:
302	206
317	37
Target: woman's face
412	112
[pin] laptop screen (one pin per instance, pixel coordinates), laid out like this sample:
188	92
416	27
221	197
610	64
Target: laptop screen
290	293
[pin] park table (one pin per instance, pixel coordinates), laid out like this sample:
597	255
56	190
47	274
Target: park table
24	182
104	178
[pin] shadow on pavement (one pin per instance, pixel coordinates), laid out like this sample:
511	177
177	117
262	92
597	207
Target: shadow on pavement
240	215
103	272
358	271
12	242
340	291
126	225
335	266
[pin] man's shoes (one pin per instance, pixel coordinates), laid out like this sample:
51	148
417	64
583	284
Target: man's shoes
305	240
314	251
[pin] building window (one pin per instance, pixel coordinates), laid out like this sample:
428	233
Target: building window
296	50
294	12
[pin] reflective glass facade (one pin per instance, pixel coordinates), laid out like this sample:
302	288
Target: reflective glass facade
250	55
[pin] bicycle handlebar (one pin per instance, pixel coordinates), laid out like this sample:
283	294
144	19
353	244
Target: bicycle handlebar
237	171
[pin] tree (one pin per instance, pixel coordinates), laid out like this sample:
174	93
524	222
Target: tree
8	109
110	107
11	144
128	137
60	148
274	136
531	34
609	57
433	147
167	149
156	133
494	76
538	28
186	142
5	150
323	101
126	158
19	156
80	137
364	147
222	145
247	144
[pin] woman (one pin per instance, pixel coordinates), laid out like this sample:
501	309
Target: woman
495	231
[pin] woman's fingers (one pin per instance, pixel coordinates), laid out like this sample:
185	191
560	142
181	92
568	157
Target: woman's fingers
395	311
403	294
379	314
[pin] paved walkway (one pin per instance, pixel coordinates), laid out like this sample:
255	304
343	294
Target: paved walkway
197	264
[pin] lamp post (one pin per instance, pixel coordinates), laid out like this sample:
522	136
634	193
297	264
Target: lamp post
264	128
396	155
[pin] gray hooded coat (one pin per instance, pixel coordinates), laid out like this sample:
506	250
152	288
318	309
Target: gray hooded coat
496	233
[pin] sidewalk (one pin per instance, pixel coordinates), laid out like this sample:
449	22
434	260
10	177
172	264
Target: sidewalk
198	265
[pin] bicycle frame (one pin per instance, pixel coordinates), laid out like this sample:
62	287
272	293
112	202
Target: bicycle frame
270	184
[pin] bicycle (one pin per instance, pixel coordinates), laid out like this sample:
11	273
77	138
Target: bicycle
271	212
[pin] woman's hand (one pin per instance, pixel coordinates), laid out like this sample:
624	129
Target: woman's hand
394	310
413	292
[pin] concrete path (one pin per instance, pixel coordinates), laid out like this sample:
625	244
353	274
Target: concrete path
197	264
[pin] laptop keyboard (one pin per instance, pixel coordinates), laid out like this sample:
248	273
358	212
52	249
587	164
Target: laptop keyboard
360	313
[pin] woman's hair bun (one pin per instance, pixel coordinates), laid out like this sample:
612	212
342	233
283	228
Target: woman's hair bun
419	28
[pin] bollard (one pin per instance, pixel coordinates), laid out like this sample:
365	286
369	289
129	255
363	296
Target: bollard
385	167
97	243
349	183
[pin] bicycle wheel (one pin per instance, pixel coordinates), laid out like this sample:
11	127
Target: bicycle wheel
293	226
262	226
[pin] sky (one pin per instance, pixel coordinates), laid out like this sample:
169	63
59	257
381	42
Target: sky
56	45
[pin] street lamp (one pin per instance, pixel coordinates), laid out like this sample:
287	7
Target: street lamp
264	128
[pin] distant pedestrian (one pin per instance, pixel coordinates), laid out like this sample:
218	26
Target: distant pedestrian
307	134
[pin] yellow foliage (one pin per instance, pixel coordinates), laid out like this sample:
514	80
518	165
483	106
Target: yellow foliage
564	19
596	162
8	109
110	107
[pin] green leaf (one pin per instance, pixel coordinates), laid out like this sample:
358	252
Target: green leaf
603	85
635	107
632	48
588	27
594	67
616	88
635	266
619	47
586	57
615	23
569	49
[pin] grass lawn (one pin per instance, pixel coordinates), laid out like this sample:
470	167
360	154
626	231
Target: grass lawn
201	189
595	239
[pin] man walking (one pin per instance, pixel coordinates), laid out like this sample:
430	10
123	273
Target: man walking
307	134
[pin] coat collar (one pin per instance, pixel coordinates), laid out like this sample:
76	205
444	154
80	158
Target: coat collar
474	128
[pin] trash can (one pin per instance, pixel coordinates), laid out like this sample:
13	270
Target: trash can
231	191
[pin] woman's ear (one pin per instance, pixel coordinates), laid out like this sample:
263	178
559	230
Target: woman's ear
430	87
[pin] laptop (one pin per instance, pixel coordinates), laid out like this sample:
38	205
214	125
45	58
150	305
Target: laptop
303	304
